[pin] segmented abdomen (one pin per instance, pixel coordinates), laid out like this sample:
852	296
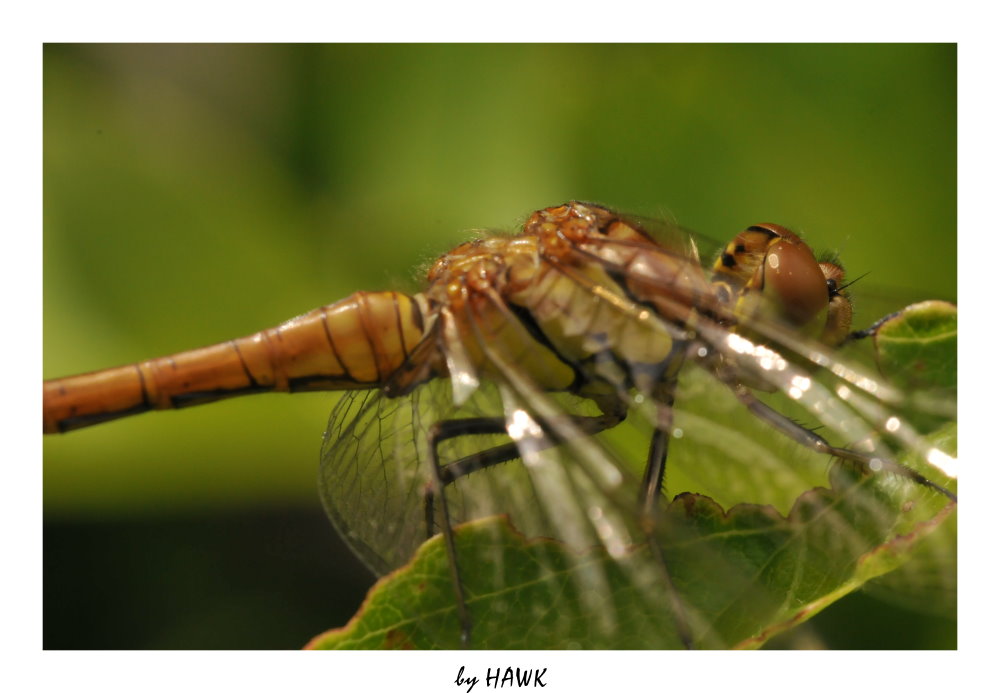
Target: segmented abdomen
354	343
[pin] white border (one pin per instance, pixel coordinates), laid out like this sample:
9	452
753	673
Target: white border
27	29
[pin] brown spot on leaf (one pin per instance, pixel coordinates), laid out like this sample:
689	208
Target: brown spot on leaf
396	639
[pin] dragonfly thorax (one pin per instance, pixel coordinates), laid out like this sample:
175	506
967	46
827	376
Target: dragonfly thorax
584	292
580	285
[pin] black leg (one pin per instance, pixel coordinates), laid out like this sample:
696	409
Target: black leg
811	439
453	471
649	496
439	432
871	330
656	459
454	428
441	476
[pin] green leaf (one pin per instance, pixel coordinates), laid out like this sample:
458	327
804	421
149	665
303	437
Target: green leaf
742	576
919	345
928	580
537	606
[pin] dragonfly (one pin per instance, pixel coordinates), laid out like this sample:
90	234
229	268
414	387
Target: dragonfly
499	390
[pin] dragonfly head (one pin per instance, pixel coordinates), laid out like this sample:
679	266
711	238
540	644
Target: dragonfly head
775	276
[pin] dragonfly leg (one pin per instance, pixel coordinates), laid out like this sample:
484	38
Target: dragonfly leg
649	495
447	474
453	471
656	458
442	476
872	329
811	439
439	432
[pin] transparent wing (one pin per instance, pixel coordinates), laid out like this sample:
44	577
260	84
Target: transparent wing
375	470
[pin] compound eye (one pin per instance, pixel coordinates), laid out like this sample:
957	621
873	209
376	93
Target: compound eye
794	281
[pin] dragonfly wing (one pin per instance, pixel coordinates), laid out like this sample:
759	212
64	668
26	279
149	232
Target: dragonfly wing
376	470
371	477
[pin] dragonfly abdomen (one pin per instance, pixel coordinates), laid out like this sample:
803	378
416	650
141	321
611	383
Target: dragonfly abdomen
354	343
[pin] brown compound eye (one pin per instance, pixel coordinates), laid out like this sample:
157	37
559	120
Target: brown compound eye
793	280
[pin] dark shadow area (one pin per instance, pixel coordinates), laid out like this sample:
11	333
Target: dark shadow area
264	580
862	622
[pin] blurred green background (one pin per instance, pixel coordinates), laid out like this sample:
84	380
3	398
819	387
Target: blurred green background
197	193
